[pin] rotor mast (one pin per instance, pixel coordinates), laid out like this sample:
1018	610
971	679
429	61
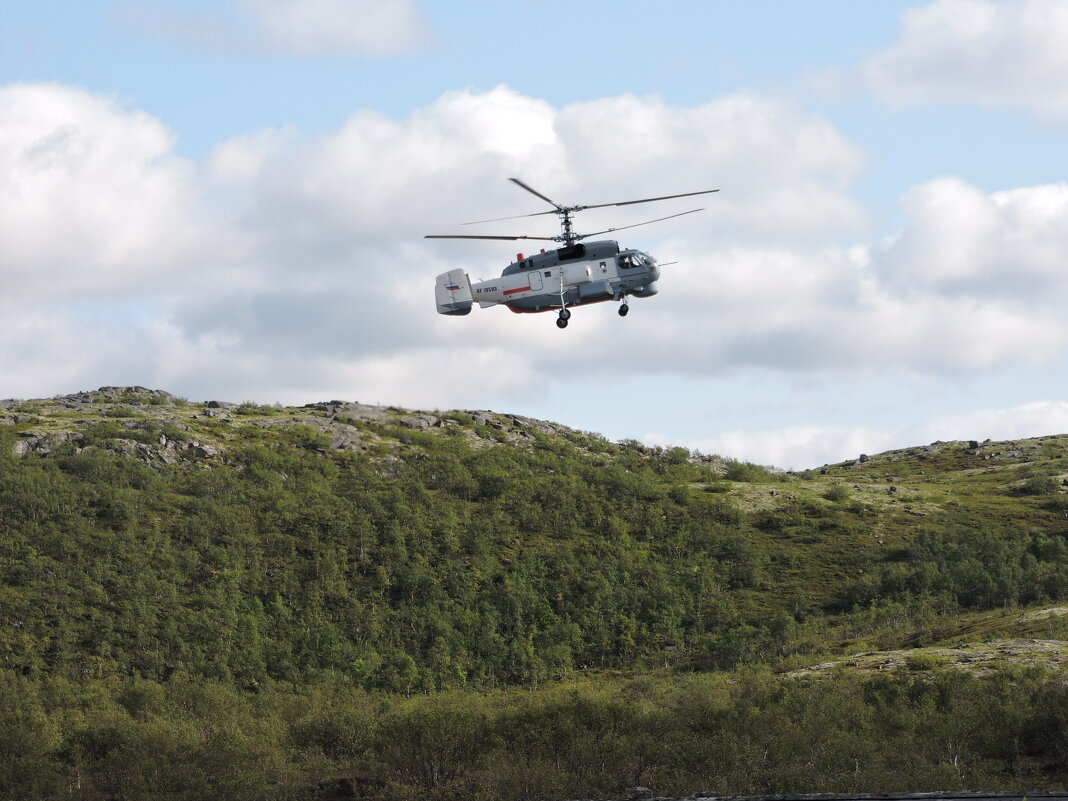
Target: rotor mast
568	237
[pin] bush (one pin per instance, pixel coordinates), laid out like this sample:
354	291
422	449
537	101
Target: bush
120	411
434	743
746	471
1037	485
923	661
308	438
837	493
250	408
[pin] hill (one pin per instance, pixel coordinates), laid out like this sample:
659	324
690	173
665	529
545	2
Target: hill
318	568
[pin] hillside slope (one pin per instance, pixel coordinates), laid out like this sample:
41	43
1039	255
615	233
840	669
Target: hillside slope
262	597
410	549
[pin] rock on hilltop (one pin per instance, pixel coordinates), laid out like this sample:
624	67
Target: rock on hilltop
158	426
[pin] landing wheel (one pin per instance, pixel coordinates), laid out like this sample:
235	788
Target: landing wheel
565	314
561	322
623	310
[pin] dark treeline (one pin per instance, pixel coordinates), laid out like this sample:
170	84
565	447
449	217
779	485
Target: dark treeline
450	567
197	738
969	568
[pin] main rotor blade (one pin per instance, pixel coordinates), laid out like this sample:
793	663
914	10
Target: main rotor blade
647	222
514	217
651	199
536	193
465	236
559	208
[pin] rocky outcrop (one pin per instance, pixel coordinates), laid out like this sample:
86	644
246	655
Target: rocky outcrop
44	444
976	658
133	395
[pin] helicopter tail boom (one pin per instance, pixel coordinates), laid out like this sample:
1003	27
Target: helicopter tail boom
452	290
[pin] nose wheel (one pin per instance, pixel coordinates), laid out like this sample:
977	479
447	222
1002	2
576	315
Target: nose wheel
624	310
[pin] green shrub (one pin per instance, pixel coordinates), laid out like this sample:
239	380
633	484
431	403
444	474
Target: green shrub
837	493
746	471
120	411
923	661
1037	485
250	408
308	438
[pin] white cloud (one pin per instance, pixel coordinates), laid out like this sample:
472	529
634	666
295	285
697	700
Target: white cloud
281	266
808	446
784	174
959	240
93	199
239	161
973	282
1034	419
338	27
351	207
301	28
382	180
992	54
796	447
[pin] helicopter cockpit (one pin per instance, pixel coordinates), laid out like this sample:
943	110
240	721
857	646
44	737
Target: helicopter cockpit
635	259
638	273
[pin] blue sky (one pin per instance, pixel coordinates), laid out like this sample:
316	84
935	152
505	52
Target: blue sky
227	199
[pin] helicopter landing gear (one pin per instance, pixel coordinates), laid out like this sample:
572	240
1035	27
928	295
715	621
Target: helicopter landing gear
623	310
565	313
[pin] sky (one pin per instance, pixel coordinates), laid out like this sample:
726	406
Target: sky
227	199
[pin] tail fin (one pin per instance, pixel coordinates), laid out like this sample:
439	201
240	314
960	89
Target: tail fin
453	292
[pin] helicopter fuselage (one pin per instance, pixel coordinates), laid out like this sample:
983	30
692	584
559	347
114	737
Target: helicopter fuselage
572	275
554	280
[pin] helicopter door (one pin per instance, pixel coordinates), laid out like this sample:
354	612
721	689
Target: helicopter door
535	279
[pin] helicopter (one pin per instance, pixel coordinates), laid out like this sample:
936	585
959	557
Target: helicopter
574	274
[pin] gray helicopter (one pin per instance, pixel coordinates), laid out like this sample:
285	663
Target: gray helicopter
572	275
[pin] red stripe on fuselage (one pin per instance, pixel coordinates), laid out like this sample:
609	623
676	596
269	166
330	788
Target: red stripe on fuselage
557	308
520	289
